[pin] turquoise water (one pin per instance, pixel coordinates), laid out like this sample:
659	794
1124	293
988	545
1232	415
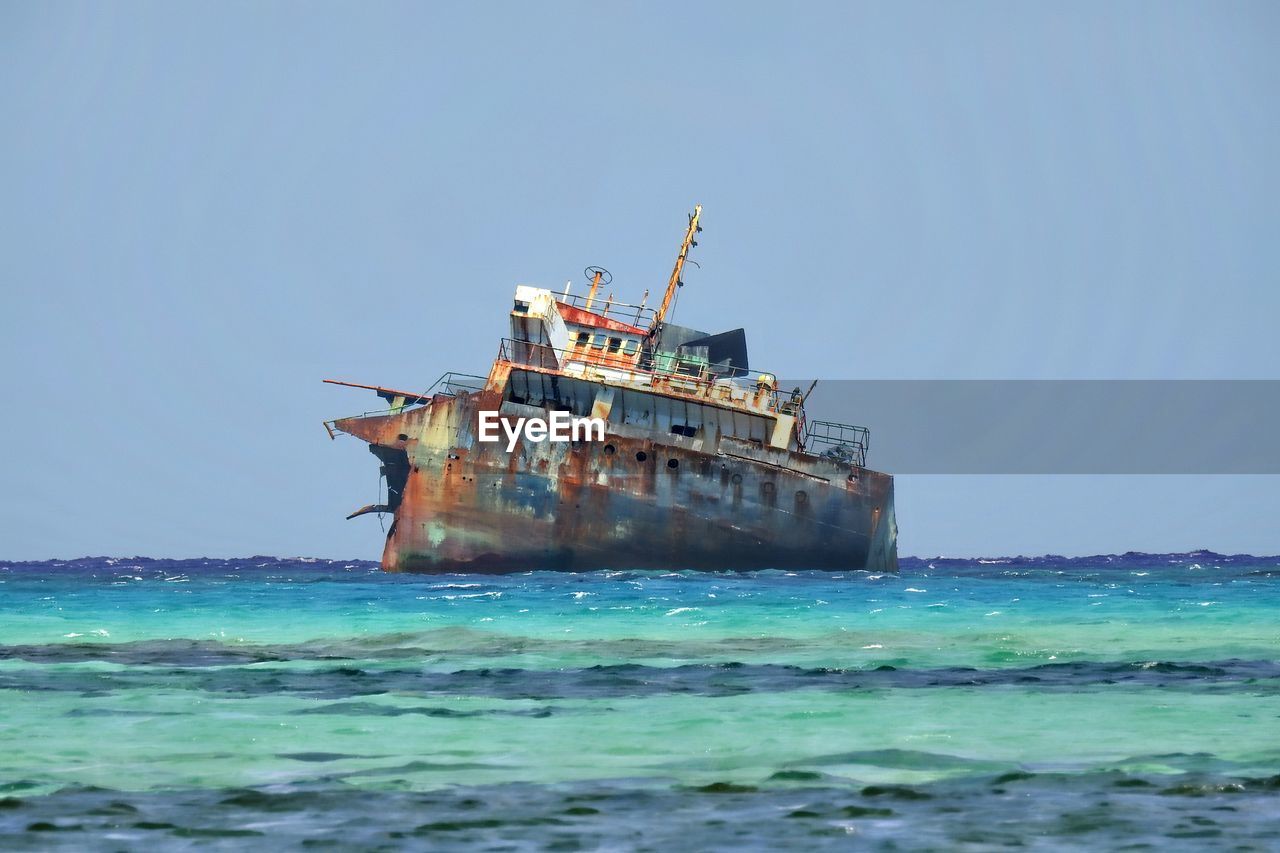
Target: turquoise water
1100	702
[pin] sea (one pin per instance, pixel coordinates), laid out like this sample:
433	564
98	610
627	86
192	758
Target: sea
1118	702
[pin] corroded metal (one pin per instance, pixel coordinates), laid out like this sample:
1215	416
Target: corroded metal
700	466
628	502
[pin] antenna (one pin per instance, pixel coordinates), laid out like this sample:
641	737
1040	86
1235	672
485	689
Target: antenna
597	276
640	307
675	281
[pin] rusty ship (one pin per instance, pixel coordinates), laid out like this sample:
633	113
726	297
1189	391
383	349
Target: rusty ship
703	463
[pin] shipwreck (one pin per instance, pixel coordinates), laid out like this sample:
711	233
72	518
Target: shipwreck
701	463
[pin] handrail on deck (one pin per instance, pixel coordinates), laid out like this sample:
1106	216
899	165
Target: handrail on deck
623	312
547	357
844	442
453	383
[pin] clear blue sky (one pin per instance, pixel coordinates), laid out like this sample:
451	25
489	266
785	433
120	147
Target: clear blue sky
206	208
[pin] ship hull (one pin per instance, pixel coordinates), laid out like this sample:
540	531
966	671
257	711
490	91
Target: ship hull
631	501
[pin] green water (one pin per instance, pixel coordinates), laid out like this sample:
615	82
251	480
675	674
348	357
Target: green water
168	683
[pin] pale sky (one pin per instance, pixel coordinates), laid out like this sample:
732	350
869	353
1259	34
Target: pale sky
209	207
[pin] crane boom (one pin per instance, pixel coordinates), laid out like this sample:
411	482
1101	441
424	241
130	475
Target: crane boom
676	272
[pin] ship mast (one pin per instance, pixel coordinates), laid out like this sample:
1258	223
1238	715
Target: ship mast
595	285
675	281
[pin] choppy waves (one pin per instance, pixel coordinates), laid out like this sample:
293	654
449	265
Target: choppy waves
793	812
209	671
1043	702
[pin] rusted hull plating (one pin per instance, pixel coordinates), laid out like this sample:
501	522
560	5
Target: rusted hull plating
627	502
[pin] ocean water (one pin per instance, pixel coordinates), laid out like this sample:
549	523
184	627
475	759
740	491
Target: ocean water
1110	702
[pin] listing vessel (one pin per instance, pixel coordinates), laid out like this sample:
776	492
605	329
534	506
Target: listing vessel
704	463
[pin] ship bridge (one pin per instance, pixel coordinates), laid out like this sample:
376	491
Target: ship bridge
595	359
626	363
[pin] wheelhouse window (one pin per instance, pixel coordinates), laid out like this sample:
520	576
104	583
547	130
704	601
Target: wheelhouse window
615	346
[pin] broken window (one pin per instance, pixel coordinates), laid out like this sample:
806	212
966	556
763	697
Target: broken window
615	345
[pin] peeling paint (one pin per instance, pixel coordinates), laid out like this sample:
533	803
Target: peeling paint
701	467
645	503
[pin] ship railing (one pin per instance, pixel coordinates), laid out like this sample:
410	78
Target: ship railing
730	384
623	312
452	384
841	442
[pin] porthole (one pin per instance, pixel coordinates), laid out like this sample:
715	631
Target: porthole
802	497
736	479
673	463
609	450
641	456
